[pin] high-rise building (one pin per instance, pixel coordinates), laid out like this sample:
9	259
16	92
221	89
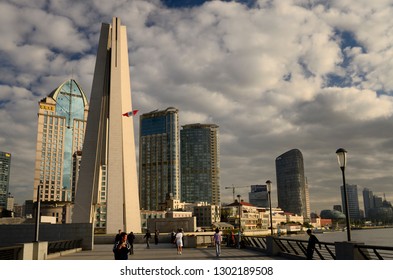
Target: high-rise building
259	196
108	165
61	128
200	164
353	201
5	168
368	201
159	158
291	183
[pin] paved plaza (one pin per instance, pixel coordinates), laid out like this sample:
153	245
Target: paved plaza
166	251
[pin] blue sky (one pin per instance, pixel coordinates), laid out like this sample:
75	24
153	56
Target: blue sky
273	74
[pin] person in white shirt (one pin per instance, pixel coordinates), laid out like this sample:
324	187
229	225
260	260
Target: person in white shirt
179	241
217	238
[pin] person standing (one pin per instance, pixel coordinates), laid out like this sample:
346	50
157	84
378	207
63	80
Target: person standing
130	239
217	238
156	234
121	248
312	241
179	241
147	236
118	236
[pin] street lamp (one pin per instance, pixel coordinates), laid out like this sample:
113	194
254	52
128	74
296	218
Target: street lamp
342	162
269	189
37	214
240	222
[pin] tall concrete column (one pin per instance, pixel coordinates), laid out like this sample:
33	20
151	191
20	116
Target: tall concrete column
109	139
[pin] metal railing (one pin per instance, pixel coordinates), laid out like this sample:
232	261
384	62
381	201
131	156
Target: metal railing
295	248
11	252
63	245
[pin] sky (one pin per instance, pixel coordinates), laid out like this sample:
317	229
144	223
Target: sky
274	75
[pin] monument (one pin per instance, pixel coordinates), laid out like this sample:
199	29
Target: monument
108	183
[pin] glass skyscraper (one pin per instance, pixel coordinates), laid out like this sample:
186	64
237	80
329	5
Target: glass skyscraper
159	158
259	196
291	183
5	166
353	201
61	126
200	165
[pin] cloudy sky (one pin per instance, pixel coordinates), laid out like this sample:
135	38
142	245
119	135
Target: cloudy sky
273	74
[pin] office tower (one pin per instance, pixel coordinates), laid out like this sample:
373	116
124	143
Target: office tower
338	207
5	167
259	196
200	164
109	148
353	201
61	127
159	158
291	183
308	206
368	201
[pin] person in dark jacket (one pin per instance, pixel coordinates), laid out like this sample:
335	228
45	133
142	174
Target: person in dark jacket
121	247
130	239
312	241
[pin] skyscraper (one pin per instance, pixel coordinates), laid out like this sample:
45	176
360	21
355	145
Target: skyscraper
291	183
368	201
159	158
353	201
61	127
200	164
5	167
259	196
108	164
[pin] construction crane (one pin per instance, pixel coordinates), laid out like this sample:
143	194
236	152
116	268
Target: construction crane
233	187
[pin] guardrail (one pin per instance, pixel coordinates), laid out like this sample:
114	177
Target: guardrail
63	245
297	249
11	252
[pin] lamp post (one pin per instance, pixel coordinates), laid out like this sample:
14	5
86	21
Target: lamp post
269	189
240	222
342	162
37	214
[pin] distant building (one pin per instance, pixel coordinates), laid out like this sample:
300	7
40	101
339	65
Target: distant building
259	196
207	215
368	201
338	208
5	168
353	201
159	158
200	164
291	183
60	133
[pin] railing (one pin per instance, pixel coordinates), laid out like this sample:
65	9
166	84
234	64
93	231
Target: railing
298	248
295	248
11	252
63	245
375	252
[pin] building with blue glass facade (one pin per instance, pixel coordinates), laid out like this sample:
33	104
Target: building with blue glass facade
200	164
61	127
292	189
159	158
5	168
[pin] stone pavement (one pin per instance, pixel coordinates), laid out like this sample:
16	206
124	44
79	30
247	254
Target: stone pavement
166	251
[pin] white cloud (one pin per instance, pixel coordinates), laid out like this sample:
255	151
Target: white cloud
260	74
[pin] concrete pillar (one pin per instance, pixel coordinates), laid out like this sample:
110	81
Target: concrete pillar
346	251
272	248
40	250
27	252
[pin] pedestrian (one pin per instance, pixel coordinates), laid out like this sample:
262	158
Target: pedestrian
173	237
217	238
156	234
147	236
121	247
179	241
130	239
312	241
118	236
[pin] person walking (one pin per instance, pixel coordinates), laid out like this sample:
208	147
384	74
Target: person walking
217	239
147	236
130	239
121	248
156	234
312	241
179	241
